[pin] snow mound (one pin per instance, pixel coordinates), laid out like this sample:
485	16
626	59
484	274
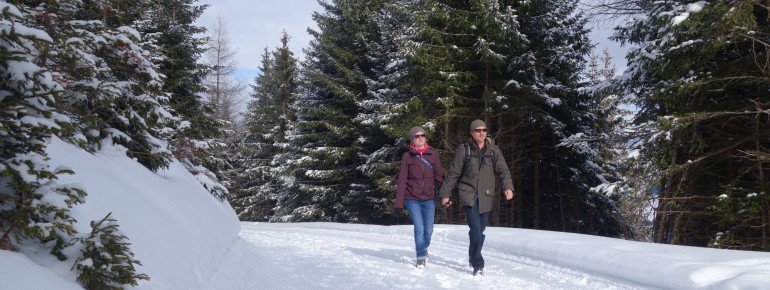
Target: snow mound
176	228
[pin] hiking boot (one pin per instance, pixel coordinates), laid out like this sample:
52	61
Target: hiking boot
478	271
420	263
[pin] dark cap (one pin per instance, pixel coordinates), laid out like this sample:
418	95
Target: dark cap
478	123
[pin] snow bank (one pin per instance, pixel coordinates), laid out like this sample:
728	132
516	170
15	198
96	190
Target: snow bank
176	228
19	272
651	265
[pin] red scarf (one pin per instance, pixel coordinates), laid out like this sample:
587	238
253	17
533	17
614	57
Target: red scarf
419	151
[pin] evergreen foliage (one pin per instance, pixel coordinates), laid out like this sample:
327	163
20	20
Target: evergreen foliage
377	68
699	78
263	147
324	181
556	120
175	47
112	90
106	261
33	205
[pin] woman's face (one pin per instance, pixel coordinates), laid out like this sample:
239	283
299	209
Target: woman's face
419	139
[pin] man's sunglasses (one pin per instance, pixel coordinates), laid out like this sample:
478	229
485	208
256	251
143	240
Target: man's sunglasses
417	136
480	130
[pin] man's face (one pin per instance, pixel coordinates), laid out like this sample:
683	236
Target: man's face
479	134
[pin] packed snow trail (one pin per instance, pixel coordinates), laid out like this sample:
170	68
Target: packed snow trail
290	256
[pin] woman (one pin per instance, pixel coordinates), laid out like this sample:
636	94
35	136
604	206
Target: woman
420	175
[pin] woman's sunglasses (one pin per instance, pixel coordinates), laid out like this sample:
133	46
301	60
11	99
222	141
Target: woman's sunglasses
480	130
417	136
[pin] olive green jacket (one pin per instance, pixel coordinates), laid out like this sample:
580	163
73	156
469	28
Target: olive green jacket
476	179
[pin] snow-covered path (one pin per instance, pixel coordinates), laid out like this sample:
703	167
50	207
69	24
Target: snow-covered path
293	256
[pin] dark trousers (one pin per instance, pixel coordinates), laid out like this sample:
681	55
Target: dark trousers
477	222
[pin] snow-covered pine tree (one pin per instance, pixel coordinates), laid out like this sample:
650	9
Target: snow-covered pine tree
263	146
459	52
380	25
323	177
698	74
555	165
176	46
34	207
537	107
385	112
112	89
612	141
250	173
106	261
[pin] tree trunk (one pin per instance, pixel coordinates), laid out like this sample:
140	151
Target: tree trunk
561	198
449	214
497	208
536	184
762	184
510	218
676	231
661	213
517	216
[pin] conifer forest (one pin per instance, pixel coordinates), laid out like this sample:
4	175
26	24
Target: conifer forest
675	149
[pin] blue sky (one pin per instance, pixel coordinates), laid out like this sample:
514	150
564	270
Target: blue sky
256	24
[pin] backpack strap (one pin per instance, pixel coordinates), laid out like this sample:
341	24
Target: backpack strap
467	157
425	161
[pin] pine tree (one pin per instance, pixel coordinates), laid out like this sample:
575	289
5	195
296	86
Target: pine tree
459	51
106	261
323	180
112	89
172	38
553	118
698	76
33	205
263	147
385	112
612	138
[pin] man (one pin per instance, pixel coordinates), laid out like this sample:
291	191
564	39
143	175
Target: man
472	172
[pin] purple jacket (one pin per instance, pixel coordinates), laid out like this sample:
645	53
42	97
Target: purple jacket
416	180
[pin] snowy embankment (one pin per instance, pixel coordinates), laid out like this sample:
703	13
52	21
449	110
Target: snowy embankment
347	256
176	228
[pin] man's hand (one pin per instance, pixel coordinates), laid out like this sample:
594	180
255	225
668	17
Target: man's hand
446	202
508	194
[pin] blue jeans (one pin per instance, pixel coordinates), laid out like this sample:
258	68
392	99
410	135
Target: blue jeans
477	222
421	213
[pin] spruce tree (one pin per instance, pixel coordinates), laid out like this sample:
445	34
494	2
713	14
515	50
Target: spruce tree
323	180
112	89
263	148
175	44
698	76
553	118
33	205
459	51
385	113
106	261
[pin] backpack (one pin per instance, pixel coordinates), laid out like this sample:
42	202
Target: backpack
468	155
467	146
